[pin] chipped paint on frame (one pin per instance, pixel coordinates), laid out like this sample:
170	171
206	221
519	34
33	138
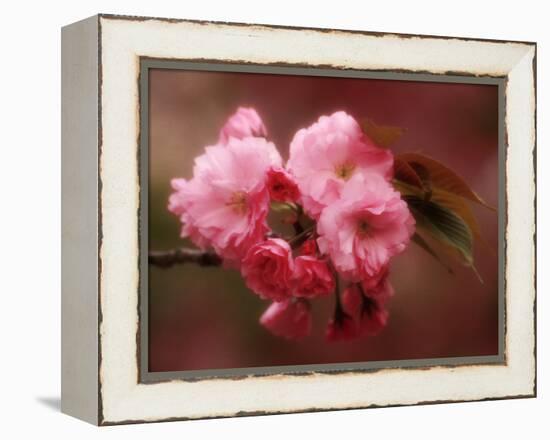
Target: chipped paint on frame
114	396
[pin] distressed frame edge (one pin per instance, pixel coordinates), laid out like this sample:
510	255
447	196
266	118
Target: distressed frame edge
315	410
80	220
102	421
535	207
124	17
532	52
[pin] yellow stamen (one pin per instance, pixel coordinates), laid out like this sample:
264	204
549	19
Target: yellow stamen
363	228
345	170
238	202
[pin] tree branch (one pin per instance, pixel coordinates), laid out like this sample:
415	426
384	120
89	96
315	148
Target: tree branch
165	259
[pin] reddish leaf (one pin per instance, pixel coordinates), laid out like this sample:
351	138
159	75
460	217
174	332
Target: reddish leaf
382	135
405	173
441	177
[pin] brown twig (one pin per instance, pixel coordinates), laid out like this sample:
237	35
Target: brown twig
299	239
165	259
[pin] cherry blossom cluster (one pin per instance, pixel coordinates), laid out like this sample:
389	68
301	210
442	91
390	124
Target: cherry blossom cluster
348	220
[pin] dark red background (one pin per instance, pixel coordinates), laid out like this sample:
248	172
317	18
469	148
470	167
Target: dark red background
205	318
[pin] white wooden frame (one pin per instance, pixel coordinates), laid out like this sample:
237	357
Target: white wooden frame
100	222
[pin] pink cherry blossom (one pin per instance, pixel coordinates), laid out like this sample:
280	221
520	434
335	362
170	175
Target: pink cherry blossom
324	156
379	288
352	300
312	277
225	204
245	122
281	185
374	318
309	248
341	328
267	269
367	226
368	314
290	318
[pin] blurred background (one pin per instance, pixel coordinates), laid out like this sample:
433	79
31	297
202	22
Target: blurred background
205	318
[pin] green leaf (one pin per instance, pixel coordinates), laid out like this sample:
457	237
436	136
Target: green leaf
460	207
438	199
283	207
406	189
443	225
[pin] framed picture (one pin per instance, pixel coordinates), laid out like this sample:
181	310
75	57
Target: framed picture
263	220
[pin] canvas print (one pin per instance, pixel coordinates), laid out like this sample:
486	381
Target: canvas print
315	220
